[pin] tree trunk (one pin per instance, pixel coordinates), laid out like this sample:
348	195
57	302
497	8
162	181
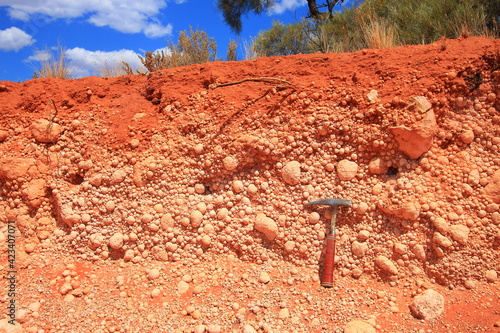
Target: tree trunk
316	14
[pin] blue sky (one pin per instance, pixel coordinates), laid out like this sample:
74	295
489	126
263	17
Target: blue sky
95	31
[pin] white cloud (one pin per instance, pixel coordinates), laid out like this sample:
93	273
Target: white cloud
85	63
82	62
128	16
281	6
14	39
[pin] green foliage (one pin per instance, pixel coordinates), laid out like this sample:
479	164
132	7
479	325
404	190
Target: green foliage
283	39
383	23
197	47
233	10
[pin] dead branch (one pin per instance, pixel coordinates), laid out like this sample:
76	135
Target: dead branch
280	83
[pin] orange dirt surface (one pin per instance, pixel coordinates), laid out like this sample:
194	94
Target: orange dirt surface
174	202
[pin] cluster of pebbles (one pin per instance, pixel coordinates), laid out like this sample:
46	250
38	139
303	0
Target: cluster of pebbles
214	176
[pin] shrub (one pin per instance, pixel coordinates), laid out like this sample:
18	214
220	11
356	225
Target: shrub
194	48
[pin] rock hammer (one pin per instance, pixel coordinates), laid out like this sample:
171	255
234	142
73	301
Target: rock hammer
327	276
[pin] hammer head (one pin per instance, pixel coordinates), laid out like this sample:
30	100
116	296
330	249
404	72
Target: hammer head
330	202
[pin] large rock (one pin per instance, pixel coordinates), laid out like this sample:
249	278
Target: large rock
44	130
266	225
492	190
416	140
386	265
291	173
346	170
409	210
358	326
428	305
15	167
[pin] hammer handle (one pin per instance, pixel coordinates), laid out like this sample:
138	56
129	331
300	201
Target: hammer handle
327	277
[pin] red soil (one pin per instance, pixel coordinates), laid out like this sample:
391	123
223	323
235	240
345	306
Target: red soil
169	171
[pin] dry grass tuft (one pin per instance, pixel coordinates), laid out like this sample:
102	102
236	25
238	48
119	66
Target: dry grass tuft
53	64
379	34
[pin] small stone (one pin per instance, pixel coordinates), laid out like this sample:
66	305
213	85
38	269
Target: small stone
264	277
283	313
377	166
116	241
291	173
65	288
134	143
467	136
266	225
400	248
346	170
154	274
206	240
419	252
372	96
386	265
359	249
491	275
247	328
441	225
155	293
492	190
214	329
230	163
238	186
441	240
358	326
182	287
196	218
428	305
314	217
470	284
460	233
117	177
3	135
363	235
289	246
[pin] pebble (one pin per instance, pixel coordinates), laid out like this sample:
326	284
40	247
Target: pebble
359	249
377	166
116	241
230	163
196	218
291	173
117	177
441	225
460	233
358	326
491	275
247	328
264	277
386	265
182	287
154	274
427	305
289	246
266	225
441	240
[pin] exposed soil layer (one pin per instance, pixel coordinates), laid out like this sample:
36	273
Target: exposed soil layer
174	202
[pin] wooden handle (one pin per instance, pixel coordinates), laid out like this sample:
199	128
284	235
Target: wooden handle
327	277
